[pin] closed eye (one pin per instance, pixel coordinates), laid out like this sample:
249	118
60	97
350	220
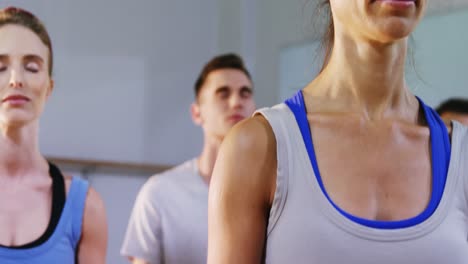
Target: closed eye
33	63
32	67
223	92
246	92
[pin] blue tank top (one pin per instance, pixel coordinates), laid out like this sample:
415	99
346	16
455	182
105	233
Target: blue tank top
62	244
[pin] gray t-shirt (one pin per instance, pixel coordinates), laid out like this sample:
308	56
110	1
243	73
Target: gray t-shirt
169	221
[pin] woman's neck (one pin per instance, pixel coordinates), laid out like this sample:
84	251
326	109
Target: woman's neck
19	151
368	77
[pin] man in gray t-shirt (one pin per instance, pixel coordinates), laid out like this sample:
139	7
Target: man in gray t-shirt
169	221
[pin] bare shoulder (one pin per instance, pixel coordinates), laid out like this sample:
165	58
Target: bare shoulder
247	159
94	205
252	141
243	184
93	243
254	133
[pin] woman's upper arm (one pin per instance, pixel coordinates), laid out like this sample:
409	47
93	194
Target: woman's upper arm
92	247
241	191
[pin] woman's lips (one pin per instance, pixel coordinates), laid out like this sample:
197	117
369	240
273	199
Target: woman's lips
235	118
15	99
398	3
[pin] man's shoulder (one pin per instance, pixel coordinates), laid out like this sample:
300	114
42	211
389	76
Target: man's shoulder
171	178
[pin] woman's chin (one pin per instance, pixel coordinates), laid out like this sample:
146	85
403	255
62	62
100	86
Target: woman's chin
394	30
16	120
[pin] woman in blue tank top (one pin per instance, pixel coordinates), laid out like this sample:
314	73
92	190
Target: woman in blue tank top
44	217
354	168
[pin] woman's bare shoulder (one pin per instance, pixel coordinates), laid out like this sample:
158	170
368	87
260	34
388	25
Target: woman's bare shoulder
253	137
246	164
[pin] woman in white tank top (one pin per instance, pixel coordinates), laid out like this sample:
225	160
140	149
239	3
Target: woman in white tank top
352	169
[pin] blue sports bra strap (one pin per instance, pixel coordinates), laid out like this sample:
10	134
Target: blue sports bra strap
78	194
440	139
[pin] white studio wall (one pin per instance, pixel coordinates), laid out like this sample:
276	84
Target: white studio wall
124	73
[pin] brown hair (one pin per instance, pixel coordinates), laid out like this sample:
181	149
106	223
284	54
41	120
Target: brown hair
21	17
456	105
224	61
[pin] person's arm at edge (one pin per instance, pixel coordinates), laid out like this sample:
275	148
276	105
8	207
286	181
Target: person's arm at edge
241	192
92	247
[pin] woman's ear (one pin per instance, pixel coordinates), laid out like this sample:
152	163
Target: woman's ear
50	88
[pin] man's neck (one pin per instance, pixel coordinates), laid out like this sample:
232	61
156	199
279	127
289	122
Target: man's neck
206	160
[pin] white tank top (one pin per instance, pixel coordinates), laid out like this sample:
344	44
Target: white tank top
304	226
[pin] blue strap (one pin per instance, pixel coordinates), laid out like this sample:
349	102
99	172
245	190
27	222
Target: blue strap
440	154
78	194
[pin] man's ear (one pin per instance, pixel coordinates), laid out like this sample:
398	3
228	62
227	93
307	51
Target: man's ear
196	114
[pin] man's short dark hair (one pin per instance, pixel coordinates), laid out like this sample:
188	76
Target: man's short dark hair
453	105
224	61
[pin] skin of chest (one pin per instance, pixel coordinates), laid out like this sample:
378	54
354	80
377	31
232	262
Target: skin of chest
26	215
378	170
